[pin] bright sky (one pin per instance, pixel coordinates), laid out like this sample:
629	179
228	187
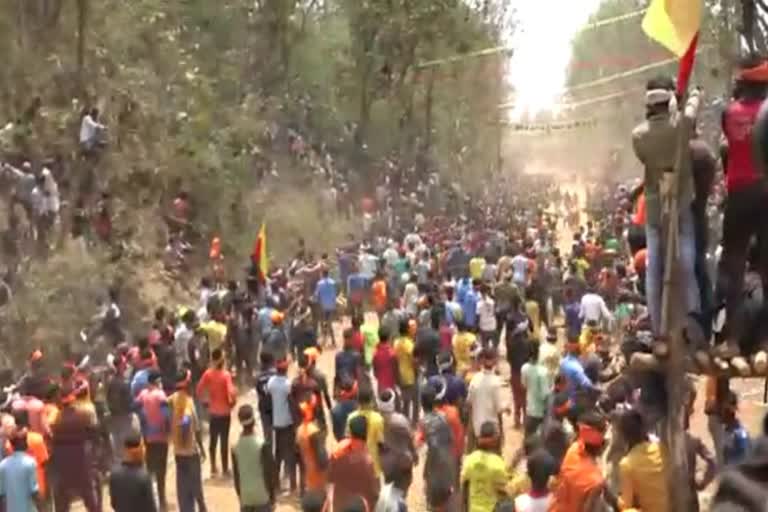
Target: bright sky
542	44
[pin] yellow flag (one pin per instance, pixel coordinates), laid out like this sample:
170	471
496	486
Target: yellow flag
673	23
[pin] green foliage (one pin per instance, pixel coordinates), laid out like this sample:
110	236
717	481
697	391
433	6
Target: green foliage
199	95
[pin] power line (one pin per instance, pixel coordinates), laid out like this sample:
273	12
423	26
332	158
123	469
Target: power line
613	78
508	50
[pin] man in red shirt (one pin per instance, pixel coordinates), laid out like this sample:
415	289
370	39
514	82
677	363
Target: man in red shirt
217	390
746	213
385	362
155	428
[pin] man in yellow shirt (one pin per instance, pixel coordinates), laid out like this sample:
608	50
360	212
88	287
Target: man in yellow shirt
463	342
216	332
406	374
375	422
476	267
484	473
187	443
642	472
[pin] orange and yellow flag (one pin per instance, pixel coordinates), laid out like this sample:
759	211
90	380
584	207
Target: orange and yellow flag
673	23
259	256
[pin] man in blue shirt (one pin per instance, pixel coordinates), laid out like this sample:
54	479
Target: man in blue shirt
19	488
736	443
573	371
325	295
468	304
264	320
357	286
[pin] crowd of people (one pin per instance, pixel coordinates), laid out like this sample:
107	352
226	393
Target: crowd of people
429	316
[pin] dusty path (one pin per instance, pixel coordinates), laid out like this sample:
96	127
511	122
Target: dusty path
220	494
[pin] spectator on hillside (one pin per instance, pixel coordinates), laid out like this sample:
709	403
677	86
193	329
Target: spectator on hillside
90	131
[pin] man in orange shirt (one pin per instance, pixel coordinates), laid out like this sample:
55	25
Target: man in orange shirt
217	391
311	446
379	294
581	484
452	415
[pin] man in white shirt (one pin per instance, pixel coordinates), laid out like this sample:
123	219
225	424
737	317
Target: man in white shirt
484	397
593	308
486	315
390	254
520	271
90	129
369	264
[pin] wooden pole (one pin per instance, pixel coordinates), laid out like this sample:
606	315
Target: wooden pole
672	317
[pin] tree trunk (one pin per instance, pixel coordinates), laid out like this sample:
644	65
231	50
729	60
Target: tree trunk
428	111
21	20
82	25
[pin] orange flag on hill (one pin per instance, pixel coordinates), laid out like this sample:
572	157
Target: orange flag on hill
259	256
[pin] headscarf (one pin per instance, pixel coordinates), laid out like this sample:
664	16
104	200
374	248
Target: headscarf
387	406
311	354
757	73
590	436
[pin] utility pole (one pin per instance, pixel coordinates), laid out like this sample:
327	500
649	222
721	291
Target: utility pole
672	319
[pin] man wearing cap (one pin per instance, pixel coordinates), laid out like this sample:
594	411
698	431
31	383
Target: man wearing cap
655	144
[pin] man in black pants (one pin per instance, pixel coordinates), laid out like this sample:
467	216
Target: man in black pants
746	209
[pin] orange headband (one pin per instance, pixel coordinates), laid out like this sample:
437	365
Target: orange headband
311	354
590	435
758	73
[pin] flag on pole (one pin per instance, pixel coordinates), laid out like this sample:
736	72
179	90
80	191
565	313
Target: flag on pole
675	25
259	256
685	70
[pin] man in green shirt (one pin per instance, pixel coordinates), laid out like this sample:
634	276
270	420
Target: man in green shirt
370	333
536	381
255	475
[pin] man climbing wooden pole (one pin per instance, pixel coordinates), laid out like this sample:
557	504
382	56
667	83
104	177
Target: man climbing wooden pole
675	25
